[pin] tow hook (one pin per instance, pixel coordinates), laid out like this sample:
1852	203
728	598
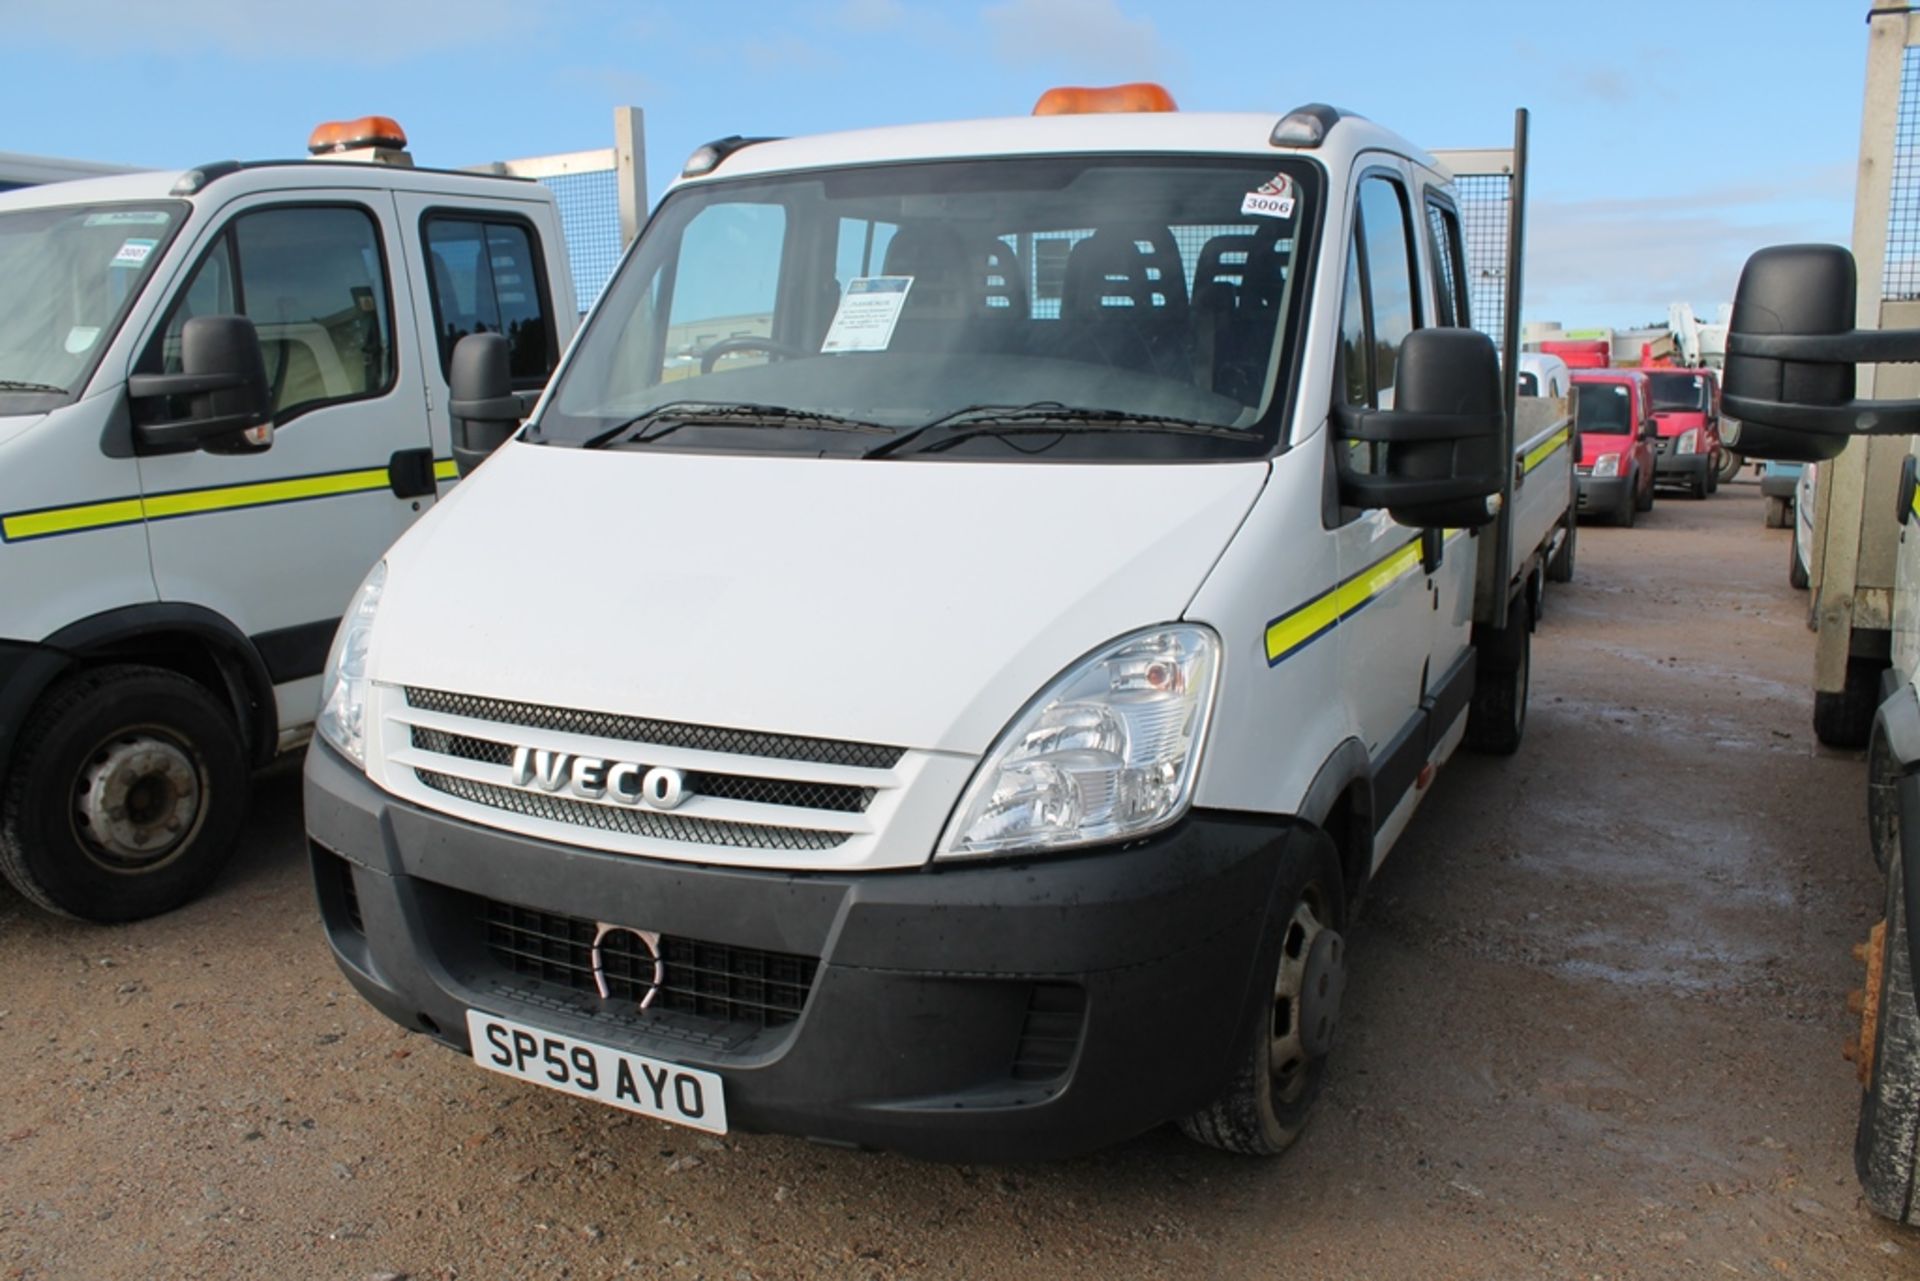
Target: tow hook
1866	1003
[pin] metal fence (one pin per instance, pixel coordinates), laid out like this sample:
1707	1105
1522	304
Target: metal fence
1486	204
1901	279
602	196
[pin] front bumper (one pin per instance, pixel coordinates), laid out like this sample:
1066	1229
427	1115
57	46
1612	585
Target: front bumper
1694	469
1601	495
986	1012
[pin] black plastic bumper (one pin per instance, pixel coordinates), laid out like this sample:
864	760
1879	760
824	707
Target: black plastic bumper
1694	469
1601	495
1135	964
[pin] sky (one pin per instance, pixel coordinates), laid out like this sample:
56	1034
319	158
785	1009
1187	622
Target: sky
1669	139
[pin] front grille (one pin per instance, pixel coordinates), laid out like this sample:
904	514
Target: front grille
637	729
728	787
1664	445
651	824
716	982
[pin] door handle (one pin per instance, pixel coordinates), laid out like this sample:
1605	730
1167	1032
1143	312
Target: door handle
410	473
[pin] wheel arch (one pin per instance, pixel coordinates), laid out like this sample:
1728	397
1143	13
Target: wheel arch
1339	802
197	643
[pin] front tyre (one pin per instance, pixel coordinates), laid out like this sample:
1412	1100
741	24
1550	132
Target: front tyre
1282	1062
1885	1147
126	797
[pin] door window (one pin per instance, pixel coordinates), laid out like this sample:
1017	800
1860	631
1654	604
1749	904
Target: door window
1393	309
1450	284
314	282
484	277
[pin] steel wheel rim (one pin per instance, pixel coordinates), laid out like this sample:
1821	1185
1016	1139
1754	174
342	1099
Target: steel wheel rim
139	800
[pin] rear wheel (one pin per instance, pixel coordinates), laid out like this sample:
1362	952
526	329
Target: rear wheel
1845	718
1497	716
126	797
1560	567
1283	1060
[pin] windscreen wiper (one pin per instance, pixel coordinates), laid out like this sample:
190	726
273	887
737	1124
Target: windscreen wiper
15	384
676	414
1043	417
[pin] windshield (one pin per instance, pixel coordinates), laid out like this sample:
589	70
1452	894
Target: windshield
1680	391
67	277
1603	408
956	299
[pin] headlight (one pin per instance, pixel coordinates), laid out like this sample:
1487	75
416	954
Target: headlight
343	688
1689	442
1108	751
1607	465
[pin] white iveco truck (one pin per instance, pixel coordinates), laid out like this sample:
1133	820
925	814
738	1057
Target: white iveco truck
222	395
943	660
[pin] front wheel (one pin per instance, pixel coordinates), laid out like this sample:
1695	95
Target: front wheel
126	797
1282	1062
1886	1146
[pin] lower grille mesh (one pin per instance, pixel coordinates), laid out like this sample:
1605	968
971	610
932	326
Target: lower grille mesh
632	822
713	981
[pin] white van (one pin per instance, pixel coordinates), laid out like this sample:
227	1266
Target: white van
222	395
941	664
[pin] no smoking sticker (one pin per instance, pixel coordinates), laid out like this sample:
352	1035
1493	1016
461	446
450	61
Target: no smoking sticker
1271	199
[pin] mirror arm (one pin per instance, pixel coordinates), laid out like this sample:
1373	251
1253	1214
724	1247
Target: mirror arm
1403	426
1855	418
149	386
1870	346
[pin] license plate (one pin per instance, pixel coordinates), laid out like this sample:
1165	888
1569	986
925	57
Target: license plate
664	1091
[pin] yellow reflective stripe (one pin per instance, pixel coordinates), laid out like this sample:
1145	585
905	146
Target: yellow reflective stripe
446	469
1289	632
191	502
65	520
229	497
1538	454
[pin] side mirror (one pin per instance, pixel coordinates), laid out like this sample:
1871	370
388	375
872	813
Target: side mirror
1791	349
481	399
1649	430
223	376
1445	435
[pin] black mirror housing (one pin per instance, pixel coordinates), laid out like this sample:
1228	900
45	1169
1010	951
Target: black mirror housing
1791	352
223	375
481	398
1445	434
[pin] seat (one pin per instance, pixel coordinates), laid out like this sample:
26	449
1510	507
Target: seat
1124	301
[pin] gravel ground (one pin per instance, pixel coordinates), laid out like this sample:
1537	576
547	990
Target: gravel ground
1593	1031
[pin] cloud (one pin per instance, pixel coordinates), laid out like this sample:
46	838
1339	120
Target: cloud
1602	85
868	15
1086	37
256	28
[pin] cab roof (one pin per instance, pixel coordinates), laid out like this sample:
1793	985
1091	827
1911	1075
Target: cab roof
1165	133
231	178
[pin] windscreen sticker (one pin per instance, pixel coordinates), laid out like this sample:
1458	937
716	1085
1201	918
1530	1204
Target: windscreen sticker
1271	199
868	312
133	253
128	218
80	338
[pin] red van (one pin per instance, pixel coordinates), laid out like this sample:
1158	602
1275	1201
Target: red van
1686	414
1613	420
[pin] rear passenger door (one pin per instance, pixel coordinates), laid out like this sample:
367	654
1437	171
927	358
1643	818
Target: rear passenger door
276	541
1386	635
482	265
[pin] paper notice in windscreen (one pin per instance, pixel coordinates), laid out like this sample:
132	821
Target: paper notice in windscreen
868	312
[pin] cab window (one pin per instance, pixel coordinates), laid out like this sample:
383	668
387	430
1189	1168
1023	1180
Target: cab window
314	283
1450	272
484	277
1378	308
